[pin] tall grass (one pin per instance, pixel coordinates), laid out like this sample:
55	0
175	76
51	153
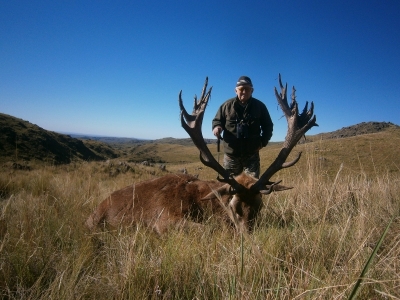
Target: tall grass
311	242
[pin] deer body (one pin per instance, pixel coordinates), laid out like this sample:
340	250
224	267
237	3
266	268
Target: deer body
172	199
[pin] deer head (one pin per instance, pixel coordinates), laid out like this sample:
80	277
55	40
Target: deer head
298	125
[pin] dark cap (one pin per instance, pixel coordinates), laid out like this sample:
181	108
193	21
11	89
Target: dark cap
244	80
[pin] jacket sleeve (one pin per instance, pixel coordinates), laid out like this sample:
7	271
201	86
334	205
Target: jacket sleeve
219	119
266	126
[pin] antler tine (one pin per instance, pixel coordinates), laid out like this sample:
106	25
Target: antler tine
192	125
197	104
305	109
298	125
203	101
293	97
186	119
282	98
205	88
310	113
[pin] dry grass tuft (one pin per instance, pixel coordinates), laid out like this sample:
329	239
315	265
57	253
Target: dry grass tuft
310	242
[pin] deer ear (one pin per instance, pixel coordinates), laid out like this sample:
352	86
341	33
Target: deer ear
275	188
278	188
222	191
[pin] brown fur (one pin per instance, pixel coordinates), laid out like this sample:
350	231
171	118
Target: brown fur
173	199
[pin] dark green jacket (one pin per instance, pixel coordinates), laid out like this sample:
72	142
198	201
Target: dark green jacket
255	114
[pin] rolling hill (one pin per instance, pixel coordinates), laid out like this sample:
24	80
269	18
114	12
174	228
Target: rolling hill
22	141
358	129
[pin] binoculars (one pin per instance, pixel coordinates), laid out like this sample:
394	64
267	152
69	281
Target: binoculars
242	130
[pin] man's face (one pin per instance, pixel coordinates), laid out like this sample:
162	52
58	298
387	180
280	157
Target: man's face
244	92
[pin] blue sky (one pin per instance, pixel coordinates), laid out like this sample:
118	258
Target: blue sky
115	68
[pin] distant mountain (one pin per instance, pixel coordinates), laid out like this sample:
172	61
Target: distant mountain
133	141
21	140
109	139
358	129
183	142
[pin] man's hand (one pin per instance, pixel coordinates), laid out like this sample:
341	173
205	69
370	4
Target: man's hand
217	131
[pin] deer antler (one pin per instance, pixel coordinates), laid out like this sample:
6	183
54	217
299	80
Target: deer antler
298	125
192	124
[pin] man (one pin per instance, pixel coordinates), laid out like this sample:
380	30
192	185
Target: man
246	126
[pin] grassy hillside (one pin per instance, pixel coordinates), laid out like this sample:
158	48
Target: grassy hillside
358	129
370	154
21	140
310	242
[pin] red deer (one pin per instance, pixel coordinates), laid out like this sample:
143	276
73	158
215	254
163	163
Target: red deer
178	199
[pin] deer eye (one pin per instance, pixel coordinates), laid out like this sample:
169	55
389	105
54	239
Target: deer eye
232	191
